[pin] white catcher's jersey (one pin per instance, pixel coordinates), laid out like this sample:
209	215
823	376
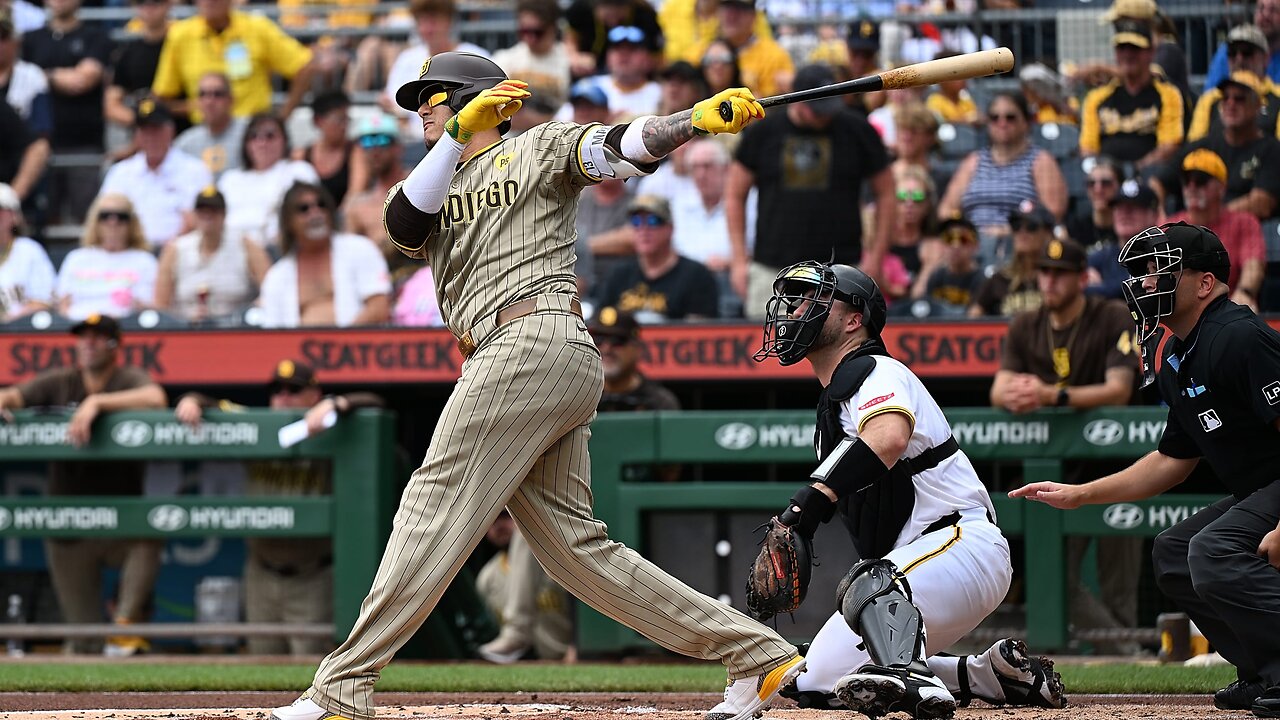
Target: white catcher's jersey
951	486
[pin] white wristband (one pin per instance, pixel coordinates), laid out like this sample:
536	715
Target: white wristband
428	184
632	143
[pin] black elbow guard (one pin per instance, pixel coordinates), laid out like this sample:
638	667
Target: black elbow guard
851	467
407	226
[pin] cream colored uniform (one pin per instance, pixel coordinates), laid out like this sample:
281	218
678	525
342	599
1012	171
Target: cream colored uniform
514	432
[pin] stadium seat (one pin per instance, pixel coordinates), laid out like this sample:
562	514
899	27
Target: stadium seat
1062	141
1073	172
40	321
956	141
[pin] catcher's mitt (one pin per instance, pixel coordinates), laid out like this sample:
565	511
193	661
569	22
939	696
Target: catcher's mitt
780	574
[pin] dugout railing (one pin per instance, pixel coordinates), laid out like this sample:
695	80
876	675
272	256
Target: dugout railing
362	457
1040	441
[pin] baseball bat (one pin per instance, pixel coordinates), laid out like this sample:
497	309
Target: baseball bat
961	67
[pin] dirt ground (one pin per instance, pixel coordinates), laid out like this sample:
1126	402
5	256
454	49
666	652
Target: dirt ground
548	706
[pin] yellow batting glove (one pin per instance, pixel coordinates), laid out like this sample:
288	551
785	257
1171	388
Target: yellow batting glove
706	117
488	110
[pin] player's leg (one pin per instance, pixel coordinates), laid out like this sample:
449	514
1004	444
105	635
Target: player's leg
262	604
526	387
553	509
309	599
1004	674
75	568
519	607
957	576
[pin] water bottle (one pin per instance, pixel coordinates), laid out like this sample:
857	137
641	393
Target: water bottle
13	616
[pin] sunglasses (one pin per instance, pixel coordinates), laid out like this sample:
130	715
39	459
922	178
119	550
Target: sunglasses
1006	117
722	58
533	32
917	196
278	388
117	215
1236	97
959	237
306	207
1242	51
626	34
1100	182
214	93
376	141
1027	225
1196	179
647	220
610	340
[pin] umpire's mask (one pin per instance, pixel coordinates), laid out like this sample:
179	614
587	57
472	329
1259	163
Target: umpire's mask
802	298
1155	259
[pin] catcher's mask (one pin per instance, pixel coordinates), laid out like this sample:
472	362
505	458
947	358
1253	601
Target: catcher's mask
802	297
451	79
1155	259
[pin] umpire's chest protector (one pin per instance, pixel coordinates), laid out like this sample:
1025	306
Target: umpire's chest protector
875	516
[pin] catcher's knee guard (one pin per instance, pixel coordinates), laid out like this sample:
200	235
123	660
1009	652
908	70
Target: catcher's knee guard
875	599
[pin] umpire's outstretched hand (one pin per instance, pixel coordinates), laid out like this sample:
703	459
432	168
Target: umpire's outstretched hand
1063	497
706	114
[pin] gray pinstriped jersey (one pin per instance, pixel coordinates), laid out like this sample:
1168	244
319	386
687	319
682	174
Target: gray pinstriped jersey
506	231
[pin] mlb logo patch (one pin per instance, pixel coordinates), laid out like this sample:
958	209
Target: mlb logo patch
1209	420
1272	393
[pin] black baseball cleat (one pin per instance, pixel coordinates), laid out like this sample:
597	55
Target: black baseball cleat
1268	705
1239	695
1027	681
874	691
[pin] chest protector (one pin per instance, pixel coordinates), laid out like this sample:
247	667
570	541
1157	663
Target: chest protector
875	516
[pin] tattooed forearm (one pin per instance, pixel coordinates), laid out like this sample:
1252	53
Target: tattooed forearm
663	134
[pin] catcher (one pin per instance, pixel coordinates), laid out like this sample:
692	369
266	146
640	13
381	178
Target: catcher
915	509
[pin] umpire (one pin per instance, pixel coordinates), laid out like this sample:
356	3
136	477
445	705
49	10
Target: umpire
1221	380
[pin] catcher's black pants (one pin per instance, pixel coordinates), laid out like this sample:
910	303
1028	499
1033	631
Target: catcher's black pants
1209	565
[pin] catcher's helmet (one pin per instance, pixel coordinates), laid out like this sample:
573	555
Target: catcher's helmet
461	76
787	337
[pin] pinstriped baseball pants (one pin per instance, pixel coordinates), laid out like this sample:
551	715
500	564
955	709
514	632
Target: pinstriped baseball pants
514	433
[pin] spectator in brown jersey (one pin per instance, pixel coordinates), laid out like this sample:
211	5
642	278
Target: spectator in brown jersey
1078	351
1012	288
287	580
98	383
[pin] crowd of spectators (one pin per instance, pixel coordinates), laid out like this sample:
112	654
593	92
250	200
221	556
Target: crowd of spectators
183	140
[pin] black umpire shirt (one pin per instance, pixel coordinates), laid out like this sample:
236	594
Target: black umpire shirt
1222	385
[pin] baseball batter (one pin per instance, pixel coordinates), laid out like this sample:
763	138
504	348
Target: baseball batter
495	220
915	509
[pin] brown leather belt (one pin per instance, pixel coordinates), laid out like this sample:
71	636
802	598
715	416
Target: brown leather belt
514	311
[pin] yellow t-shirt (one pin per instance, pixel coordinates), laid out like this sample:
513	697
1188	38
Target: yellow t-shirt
250	50
964	110
760	63
334	18
683	30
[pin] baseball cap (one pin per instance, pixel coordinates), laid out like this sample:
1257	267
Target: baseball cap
377	130
613	322
864	34
681	70
152	112
1201	249
588	91
292	374
1204	160
1132	192
958	225
1140	9
1246	80
1132	32
1251	34
210	198
1064	255
815	76
654	204
1031	212
9	199
101	324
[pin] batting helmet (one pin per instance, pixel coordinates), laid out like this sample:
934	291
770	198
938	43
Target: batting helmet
459	75
788	337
